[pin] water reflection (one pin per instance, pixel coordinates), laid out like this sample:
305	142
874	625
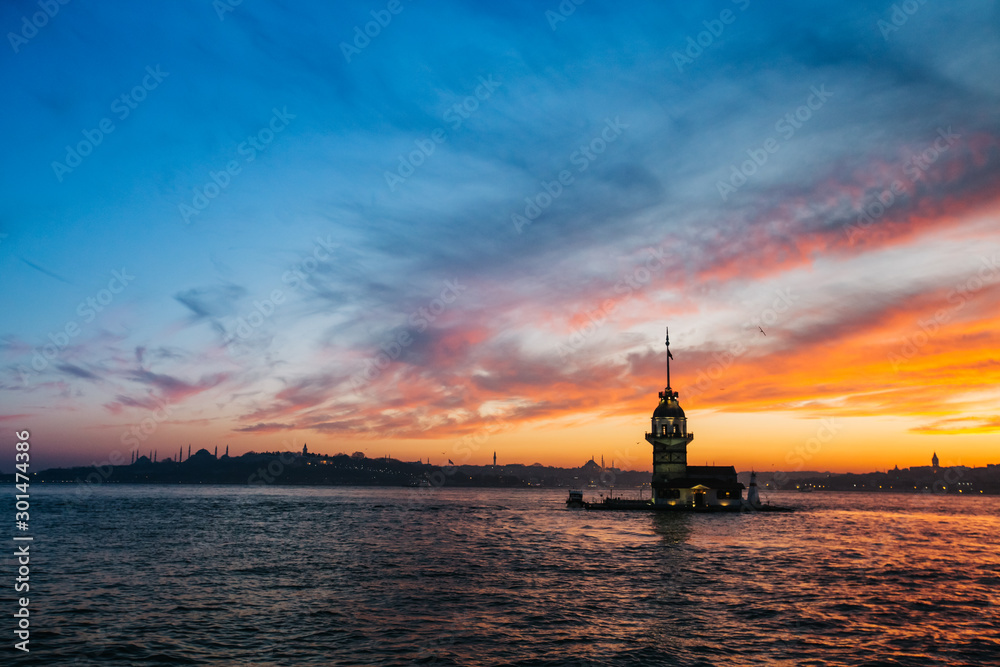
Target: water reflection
375	577
674	527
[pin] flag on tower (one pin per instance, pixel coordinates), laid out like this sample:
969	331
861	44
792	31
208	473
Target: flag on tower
669	356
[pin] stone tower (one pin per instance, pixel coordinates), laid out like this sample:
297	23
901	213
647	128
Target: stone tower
669	437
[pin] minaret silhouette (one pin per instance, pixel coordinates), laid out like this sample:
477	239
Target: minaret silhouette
494	459
189	451
227	451
154	456
216	451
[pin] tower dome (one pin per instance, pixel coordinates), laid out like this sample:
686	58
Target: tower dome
668	417
668	407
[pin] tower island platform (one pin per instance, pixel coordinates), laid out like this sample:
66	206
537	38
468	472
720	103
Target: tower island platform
677	486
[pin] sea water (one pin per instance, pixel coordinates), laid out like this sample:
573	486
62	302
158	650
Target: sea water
223	575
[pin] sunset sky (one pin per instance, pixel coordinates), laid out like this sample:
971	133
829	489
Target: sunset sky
255	225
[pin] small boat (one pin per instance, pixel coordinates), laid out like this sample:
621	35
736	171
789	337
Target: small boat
575	500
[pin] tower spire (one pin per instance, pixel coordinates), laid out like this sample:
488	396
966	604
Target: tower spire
669	357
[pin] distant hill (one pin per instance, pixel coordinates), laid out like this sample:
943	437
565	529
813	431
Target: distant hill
288	468
780	478
919	479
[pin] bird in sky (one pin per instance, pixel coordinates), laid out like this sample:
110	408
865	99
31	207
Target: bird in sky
761	330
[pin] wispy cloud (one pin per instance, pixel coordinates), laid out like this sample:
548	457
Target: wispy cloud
874	207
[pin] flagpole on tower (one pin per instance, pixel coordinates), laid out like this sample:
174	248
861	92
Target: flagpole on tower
669	357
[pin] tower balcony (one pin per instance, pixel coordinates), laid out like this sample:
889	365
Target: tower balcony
652	436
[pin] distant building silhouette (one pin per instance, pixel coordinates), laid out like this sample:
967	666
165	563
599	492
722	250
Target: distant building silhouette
934	460
305	450
202	456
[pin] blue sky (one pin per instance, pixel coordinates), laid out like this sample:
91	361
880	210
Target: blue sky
646	127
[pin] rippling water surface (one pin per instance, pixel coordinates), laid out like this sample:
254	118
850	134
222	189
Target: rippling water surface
306	576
